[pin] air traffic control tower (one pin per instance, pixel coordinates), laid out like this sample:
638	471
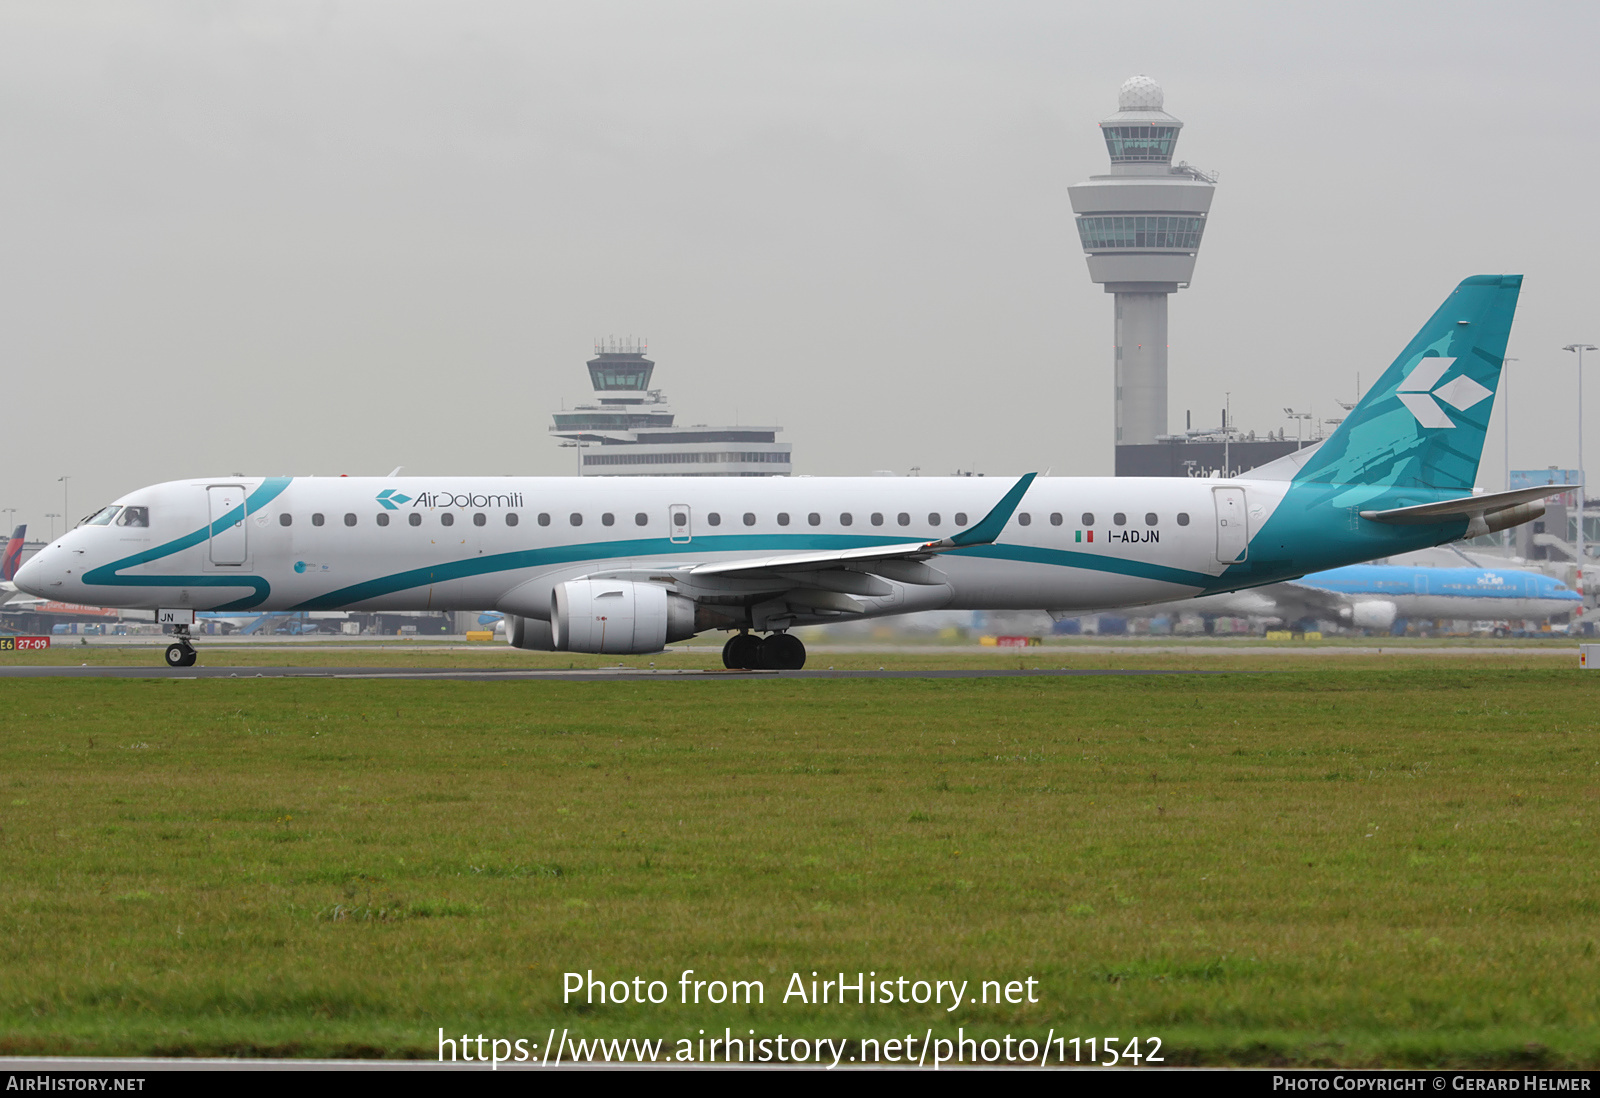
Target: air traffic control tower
1141	227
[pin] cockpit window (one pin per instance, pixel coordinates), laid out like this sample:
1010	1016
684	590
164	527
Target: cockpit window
103	516
134	516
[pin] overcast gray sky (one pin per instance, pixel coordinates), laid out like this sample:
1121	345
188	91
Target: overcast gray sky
297	237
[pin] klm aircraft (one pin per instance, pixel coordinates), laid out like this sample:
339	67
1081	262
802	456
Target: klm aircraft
629	564
1375	596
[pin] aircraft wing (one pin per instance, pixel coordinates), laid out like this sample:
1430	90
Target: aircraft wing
874	558
822	582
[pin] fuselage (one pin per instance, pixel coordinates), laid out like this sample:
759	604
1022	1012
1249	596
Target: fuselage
466	543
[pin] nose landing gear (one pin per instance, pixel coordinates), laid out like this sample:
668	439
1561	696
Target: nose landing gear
181	653
777	652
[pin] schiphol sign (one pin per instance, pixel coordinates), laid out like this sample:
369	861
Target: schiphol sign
391	499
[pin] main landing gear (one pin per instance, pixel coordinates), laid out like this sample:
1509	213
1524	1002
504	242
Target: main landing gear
777	652
182	653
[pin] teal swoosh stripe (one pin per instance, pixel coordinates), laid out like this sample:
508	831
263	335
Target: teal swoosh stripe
107	575
1067	558
600	552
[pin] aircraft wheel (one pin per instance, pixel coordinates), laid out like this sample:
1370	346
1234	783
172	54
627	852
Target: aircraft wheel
783	652
742	652
180	655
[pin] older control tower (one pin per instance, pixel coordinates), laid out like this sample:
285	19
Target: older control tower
1141	227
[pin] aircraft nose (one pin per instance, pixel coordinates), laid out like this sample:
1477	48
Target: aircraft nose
36	575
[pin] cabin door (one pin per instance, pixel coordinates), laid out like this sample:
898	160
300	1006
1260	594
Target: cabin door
679	522
227	524
1233	531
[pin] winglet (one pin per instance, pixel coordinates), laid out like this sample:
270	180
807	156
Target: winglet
988	529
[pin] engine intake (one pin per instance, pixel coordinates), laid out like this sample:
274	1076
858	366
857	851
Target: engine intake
618	617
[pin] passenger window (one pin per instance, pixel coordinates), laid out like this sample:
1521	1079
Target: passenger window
349	518
134	516
933	518
544	519
814	519
1150	519
608	519
383	518
1055	518
1120	519
903	519
845	519
749	519
783	518
316	518
1024	519
1088	518
713	519
447	519
1183	518
680	519
511	518
961	518
414	519
479	518
575	518
877	518
641	519
285	520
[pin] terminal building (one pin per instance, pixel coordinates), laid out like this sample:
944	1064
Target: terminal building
629	430
1141	227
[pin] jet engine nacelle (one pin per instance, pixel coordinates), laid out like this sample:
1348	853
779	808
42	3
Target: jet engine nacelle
618	617
1373	614
529	633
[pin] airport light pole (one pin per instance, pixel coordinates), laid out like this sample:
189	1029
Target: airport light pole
1578	349
11	516
52	516
66	505
1505	426
1300	419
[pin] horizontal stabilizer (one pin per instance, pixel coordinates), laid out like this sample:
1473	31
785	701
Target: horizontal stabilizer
1467	507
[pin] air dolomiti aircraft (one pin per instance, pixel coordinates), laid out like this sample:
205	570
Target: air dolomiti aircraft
627	565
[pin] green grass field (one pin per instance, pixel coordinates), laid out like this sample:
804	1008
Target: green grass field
1354	861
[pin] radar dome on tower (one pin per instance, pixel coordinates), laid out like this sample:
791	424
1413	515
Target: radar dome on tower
1139	93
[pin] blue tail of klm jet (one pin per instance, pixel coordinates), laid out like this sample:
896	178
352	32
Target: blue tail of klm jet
1422	425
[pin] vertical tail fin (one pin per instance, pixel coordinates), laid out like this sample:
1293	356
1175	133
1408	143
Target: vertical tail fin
12	559
1423	424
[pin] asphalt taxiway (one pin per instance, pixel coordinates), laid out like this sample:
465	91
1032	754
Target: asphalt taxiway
599	674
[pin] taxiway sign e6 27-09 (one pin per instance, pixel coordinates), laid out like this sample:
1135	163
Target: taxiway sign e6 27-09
627	565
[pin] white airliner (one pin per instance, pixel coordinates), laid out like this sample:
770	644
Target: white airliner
627	565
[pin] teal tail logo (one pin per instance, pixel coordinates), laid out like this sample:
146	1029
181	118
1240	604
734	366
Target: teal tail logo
1422	425
391	500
